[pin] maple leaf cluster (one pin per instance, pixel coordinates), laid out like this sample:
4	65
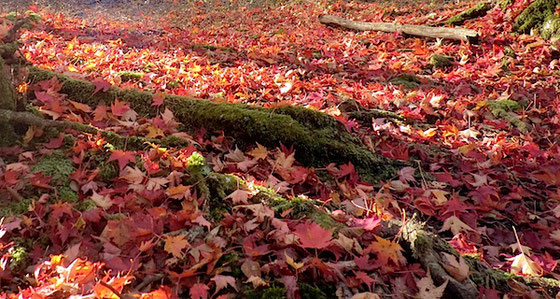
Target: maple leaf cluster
485	144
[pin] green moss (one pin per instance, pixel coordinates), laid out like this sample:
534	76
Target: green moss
108	171
308	291
8	136
268	293
504	109
149	67
215	188
505	3
508	51
15	208
551	26
315	144
66	194
19	259
7	50
300	207
116	216
56	165
476	11
507	105
85	205
20	254
130	76
407	80
232	260
212	47
534	15
196	162
440	60
172	84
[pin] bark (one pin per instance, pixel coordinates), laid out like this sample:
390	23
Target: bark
415	30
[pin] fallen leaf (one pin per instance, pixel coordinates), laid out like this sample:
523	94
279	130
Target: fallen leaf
175	245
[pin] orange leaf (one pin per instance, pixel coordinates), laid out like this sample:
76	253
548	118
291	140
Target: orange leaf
175	245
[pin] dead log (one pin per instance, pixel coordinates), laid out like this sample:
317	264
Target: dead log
461	34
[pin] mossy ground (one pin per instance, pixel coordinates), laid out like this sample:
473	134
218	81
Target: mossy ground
505	109
407	80
438	60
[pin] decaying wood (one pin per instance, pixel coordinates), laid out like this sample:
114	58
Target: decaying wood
461	34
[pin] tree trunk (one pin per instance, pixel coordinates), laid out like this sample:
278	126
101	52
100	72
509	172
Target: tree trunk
416	30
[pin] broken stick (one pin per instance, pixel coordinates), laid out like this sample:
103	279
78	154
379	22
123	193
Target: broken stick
416	30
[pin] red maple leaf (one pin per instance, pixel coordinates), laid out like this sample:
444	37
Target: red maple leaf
101	85
157	100
119	108
55	142
199	291
123	157
312	235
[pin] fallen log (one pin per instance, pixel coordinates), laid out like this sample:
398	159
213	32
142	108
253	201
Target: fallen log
461	34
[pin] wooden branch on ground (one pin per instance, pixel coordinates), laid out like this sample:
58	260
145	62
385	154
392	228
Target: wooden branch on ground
416	30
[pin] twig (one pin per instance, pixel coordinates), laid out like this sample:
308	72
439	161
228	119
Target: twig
147	281
14	194
110	287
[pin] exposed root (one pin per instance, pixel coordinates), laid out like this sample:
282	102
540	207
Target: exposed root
318	138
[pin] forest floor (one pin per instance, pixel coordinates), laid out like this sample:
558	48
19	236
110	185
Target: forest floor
482	151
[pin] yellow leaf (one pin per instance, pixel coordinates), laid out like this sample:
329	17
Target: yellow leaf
440	198
154	132
387	250
175	245
260	152
455	225
257	281
290	261
522	264
366	295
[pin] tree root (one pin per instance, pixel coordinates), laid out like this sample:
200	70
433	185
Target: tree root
474	12
354	110
116	140
427	248
318	138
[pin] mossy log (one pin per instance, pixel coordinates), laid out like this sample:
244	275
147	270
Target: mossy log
534	15
415	30
318	138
